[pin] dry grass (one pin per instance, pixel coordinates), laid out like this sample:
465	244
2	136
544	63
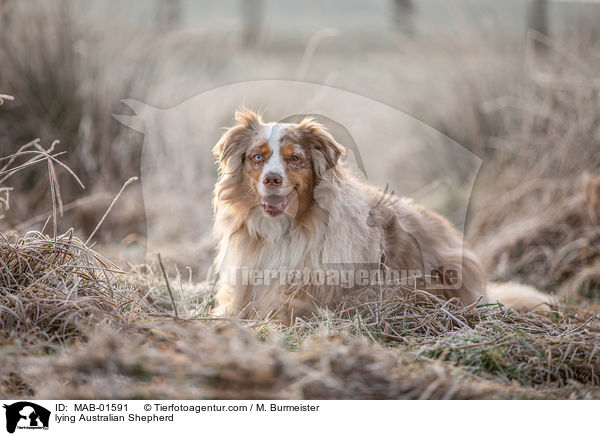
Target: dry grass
560	252
549	350
167	360
116	337
503	355
53	288
73	325
535	208
533	350
63	79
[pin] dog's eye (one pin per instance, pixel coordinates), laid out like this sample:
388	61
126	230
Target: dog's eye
294	158
257	158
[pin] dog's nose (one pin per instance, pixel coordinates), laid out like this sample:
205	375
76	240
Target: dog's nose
272	179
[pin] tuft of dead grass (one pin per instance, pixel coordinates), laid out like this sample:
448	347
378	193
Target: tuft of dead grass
549	350
52	288
529	349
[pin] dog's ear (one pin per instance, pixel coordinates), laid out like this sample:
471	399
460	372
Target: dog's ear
247	118
325	150
233	140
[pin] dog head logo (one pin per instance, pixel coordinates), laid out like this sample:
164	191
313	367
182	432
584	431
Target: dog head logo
26	415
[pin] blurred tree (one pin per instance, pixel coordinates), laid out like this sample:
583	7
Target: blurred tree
252	12
402	14
168	14
538	16
538	21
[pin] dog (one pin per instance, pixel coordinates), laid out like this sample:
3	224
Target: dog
286	206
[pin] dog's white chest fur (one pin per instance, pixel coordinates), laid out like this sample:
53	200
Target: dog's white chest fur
274	246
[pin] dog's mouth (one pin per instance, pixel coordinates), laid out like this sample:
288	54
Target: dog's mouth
275	205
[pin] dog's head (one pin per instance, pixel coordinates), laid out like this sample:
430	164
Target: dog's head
274	165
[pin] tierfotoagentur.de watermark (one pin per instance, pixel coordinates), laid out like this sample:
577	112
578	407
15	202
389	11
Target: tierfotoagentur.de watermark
347	277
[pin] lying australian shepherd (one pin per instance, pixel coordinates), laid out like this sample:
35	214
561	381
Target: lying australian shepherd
292	220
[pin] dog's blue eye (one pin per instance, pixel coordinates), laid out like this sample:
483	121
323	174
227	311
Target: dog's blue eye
257	158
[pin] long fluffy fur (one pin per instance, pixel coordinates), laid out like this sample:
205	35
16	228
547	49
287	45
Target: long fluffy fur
348	224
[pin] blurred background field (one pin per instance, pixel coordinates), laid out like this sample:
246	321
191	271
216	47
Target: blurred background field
514	82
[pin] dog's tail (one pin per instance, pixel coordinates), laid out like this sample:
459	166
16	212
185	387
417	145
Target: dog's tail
518	296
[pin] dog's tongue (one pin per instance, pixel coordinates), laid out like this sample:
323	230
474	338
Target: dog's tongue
274	204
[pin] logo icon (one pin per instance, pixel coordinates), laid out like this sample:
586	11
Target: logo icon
26	415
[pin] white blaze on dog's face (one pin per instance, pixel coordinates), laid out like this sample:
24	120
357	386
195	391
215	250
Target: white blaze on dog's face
279	169
279	163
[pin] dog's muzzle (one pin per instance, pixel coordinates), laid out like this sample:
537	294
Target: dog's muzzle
275	205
